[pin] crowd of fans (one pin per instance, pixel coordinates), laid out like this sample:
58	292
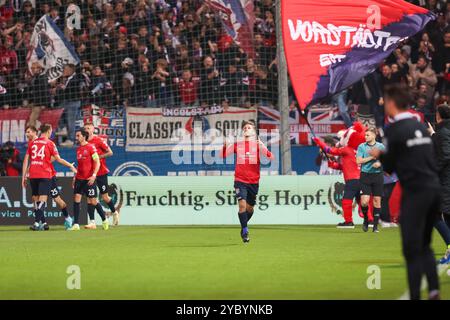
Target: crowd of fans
138	53
154	53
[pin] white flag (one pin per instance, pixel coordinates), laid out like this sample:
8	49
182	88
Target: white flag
50	48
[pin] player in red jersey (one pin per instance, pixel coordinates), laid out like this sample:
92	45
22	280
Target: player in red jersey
31	134
104	151
40	153
84	181
247	172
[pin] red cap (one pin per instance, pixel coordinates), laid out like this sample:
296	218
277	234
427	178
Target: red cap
123	30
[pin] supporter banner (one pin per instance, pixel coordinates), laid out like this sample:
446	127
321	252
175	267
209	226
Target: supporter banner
324	120
211	200
16	207
13	123
191	111
332	44
50	48
148	130
109	123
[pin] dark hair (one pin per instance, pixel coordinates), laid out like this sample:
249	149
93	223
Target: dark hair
70	65
421	56
444	111
250	122
84	133
46	127
373	130
399	94
32	128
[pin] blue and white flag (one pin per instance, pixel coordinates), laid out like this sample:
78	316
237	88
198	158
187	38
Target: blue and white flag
50	48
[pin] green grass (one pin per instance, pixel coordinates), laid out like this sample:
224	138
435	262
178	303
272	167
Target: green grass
208	262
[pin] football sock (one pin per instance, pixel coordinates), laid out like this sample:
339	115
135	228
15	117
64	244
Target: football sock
243	219
100	211
110	206
65	213
91	212
40	211
364	211
376	216
76	212
249	216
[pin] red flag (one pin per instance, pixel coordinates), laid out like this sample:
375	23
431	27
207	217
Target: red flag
331	44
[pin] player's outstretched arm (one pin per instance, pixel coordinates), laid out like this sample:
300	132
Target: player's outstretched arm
265	151
65	163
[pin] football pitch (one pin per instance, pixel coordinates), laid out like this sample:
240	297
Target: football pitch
204	262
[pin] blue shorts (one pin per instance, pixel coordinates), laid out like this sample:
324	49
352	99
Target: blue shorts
246	191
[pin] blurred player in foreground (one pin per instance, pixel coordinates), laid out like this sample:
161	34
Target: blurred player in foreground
84	181
31	134
410	154
104	151
247	172
41	151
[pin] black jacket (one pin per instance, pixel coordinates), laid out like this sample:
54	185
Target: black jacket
441	140
410	153
38	92
72	90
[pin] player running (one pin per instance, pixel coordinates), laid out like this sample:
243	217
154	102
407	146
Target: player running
41	151
371	179
31	134
104	151
84	181
247	172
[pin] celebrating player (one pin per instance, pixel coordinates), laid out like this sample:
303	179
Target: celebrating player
104	151
371	178
31	134
40	152
84	181
247	172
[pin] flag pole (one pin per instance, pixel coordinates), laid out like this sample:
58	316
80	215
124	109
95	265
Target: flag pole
303	114
283	97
